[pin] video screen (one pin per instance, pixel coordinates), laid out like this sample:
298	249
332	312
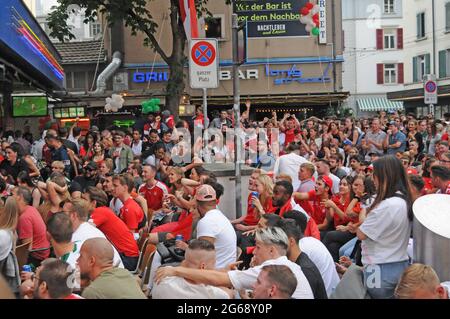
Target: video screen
29	106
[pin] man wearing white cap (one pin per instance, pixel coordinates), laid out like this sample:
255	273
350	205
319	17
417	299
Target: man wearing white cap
215	227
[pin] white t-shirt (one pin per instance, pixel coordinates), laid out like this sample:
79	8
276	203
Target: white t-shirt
87	231
245	279
116	204
336	181
6	241
117	161
289	164
215	224
137	149
388	230
179	288
321	257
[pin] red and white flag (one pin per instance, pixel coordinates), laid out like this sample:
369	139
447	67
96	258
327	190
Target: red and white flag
189	18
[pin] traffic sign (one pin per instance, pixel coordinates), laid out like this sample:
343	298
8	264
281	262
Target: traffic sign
203	65
430	89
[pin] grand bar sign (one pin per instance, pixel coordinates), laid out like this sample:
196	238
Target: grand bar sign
272	18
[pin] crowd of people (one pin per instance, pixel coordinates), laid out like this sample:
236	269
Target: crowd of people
329	206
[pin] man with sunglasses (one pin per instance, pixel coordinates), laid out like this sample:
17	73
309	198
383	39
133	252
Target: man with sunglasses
89	177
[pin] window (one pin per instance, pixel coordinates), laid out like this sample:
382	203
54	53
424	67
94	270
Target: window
447	16
213	27
389	39
390	74
388	6
96	29
421	25
421	67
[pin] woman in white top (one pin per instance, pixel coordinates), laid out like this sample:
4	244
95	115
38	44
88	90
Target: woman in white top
386	230
9	216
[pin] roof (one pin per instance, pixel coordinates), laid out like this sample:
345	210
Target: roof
81	52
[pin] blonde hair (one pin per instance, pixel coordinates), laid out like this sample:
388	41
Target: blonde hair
415	277
9	214
267	182
58	164
109	163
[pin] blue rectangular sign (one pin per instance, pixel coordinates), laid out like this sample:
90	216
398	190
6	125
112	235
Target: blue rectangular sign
20	32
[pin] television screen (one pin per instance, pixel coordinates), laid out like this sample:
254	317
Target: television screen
27	106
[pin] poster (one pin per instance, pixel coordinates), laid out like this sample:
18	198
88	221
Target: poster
272	18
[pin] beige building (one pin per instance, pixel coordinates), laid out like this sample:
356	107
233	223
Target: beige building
292	73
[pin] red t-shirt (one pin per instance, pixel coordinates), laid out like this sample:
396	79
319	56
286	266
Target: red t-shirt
73	297
251	217
447	190
445	137
338	220
31	225
131	213
319	211
154	195
290	136
116	231
428	185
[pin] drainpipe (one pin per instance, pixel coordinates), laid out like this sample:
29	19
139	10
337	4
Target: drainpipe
108	73
434	36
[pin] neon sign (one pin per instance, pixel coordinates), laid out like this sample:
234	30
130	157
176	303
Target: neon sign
36	45
287	76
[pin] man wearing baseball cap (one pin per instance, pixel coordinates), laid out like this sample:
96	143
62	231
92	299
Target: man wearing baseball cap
395	140
214	227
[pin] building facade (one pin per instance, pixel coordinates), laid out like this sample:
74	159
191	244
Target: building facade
427	51
283	73
373	54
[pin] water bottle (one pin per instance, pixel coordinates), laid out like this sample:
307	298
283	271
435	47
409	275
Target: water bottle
27	268
254	194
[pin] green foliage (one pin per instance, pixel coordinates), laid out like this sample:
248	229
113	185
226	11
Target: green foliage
151	106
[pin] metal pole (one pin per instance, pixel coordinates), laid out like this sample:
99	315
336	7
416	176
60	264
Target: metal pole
434	36
237	119
205	116
431	110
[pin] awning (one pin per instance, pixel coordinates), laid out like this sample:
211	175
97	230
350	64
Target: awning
379	104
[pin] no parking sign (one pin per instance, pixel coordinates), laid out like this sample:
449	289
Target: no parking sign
203	66
430	87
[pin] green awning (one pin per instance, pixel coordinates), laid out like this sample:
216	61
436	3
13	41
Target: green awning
379	104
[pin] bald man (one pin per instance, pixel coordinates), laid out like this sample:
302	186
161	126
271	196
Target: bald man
200	254
107	282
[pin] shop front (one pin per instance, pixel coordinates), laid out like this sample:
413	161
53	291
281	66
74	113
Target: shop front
30	69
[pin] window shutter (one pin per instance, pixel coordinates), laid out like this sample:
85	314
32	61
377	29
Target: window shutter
443	63
380	73
379	39
400	38
427	64
415	75
418	26
447	16
400	72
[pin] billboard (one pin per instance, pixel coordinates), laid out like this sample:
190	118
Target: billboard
21	36
271	18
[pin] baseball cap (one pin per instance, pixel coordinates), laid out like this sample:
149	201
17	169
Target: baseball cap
412	171
327	181
91	165
205	193
348	142
392	123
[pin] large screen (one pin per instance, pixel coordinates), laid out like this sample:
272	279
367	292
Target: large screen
28	106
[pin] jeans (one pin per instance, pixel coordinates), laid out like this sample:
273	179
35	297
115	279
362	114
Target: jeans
347	249
335	240
130	263
381	279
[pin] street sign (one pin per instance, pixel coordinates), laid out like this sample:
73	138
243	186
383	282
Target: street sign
430	90
203	65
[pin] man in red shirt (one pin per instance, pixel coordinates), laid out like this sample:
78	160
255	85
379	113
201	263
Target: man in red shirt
31	227
131	213
440	177
152	190
112	226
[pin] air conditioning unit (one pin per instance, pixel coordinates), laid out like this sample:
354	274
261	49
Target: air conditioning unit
120	82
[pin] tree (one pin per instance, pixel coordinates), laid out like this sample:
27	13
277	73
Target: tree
136	16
